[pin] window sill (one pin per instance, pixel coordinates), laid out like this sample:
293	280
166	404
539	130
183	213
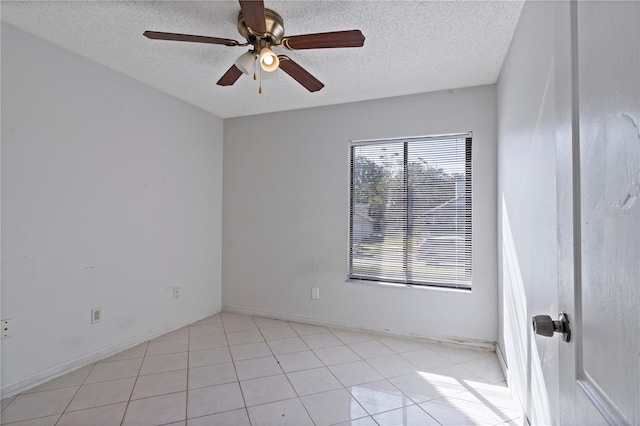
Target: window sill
409	286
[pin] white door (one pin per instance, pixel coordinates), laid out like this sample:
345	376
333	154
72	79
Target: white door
599	214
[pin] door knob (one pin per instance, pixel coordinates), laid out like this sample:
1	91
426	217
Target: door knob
545	326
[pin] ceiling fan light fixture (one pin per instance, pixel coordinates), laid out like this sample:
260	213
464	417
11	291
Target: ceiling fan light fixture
246	62
263	28
268	60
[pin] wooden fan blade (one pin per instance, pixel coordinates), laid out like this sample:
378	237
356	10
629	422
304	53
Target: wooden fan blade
351	38
254	17
155	35
230	76
299	74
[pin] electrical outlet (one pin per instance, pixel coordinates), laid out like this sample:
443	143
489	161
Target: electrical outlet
176	292
7	328
96	315
315	293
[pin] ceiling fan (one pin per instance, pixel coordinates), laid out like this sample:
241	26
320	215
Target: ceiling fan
263	29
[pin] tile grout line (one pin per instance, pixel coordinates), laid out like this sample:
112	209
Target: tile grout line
330	372
285	374
233	361
205	349
79	386
343	386
186	391
92	383
34	418
76	393
413	403
124	414
383	378
410	399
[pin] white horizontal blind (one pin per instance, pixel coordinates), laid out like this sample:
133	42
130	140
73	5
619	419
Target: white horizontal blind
410	213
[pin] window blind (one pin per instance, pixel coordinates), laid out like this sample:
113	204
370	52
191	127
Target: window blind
410	211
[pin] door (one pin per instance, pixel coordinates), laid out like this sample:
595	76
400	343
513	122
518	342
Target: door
599	211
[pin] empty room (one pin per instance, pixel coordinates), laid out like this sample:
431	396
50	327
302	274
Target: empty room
320	213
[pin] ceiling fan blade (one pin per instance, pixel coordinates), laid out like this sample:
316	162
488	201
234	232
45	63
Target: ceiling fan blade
299	74
155	35
254	16
351	38
230	76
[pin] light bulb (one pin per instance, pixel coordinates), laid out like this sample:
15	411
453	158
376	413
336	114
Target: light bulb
268	60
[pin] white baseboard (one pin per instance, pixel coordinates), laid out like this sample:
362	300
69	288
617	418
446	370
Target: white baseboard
480	344
516	399
29	382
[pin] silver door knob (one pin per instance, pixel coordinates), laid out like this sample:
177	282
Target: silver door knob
545	326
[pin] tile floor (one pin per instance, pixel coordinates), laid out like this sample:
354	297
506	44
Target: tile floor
232	369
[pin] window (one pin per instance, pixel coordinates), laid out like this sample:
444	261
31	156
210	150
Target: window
410	211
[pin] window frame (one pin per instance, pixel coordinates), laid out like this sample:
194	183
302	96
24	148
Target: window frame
468	204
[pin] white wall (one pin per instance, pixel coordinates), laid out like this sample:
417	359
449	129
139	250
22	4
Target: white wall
285	215
527	210
111	195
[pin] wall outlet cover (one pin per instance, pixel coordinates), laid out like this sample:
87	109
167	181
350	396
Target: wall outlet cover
7	328
96	315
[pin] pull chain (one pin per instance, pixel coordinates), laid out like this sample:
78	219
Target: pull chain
260	87
254	68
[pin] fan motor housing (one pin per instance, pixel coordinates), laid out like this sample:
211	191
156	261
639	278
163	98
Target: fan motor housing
275	28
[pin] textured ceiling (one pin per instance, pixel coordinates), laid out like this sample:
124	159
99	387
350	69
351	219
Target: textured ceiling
411	47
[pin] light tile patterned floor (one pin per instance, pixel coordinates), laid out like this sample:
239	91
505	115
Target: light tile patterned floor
232	369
